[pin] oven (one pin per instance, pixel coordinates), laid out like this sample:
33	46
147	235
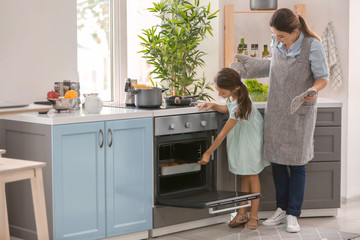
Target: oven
185	191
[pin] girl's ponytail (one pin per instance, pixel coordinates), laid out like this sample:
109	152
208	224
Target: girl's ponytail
229	79
244	104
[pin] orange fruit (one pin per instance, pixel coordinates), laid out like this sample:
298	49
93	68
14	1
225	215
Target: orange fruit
70	94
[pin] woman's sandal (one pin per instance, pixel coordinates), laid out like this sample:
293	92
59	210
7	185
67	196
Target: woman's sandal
238	220
252	226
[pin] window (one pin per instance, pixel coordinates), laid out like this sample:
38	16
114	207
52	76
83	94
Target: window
107	32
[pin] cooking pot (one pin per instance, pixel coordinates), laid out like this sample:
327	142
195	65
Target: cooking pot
180	100
148	97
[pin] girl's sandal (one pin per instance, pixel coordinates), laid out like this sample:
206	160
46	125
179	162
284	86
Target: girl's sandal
252	225
238	220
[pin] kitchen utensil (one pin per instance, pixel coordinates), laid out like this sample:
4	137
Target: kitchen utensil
151	97
180	100
263	4
63	104
130	96
92	103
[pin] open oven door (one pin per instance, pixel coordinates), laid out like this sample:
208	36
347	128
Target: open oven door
215	201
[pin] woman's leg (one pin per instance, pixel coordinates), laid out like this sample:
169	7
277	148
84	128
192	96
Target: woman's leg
282	182
296	189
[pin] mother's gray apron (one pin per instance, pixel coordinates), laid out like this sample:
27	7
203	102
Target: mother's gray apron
288	138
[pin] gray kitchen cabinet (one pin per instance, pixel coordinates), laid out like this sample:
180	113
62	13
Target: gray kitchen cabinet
323	172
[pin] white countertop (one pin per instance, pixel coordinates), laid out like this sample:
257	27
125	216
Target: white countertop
110	113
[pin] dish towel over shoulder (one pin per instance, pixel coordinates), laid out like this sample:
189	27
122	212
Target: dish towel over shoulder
328	40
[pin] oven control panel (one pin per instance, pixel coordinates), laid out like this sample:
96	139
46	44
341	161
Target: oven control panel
186	123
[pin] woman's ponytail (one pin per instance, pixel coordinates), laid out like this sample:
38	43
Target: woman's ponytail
286	20
305	28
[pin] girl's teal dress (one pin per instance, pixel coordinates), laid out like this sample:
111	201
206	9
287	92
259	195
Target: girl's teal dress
245	142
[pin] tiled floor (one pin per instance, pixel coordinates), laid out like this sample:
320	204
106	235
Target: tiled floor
348	220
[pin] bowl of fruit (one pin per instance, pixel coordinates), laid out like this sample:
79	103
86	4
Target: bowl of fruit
62	103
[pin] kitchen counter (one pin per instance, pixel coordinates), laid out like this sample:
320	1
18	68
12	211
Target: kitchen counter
111	113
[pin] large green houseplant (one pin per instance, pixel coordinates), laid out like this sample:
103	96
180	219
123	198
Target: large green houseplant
172	47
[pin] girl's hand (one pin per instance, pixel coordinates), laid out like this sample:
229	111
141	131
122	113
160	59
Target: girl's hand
205	158
206	105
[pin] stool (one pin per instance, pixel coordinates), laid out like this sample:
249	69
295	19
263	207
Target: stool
12	170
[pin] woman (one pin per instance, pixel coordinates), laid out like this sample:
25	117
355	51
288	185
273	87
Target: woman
298	64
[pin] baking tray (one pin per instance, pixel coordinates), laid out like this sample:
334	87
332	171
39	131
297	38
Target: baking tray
183	167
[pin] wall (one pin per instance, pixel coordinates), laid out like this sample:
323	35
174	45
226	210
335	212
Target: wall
353	177
254	27
38	47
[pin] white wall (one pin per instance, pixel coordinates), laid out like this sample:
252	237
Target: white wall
255	28
353	176
37	47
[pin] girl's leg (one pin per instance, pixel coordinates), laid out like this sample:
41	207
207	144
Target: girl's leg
245	187
241	217
255	187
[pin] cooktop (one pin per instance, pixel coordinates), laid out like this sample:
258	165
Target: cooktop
123	105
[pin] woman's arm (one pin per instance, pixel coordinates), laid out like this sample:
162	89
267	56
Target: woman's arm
217	107
230	123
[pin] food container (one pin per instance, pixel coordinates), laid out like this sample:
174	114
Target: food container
63	104
167	167
258	97
263	4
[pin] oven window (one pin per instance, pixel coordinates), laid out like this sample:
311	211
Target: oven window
178	168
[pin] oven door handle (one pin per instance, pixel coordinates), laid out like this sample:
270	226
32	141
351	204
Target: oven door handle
212	141
212	211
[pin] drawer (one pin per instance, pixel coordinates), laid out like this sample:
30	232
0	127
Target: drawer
327	144
328	117
325	116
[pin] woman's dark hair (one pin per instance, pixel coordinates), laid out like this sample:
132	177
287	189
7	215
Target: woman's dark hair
286	20
229	79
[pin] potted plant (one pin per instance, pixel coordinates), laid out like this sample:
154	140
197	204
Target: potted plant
172	47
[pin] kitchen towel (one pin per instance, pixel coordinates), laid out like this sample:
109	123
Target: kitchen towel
298	100
328	40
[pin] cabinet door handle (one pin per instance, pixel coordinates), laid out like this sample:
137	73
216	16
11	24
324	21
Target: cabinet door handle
111	139
102	135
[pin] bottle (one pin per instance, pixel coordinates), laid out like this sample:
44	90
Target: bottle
265	53
245	50
240	48
253	51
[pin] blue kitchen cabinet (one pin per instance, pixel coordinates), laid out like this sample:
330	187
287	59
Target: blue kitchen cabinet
102	179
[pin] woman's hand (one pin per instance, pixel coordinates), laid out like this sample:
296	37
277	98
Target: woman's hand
206	105
205	158
310	99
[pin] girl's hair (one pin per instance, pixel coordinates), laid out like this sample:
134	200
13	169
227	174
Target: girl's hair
286	20
229	79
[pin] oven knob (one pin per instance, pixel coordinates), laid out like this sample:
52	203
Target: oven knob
203	123
187	124
172	126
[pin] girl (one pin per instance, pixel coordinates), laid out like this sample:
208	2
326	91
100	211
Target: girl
244	132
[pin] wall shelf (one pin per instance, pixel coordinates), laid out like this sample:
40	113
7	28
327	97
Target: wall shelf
229	28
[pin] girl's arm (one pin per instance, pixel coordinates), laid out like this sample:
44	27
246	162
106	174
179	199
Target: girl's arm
230	123
217	107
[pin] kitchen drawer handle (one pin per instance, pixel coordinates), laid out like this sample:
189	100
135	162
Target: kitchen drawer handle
111	139
102	135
